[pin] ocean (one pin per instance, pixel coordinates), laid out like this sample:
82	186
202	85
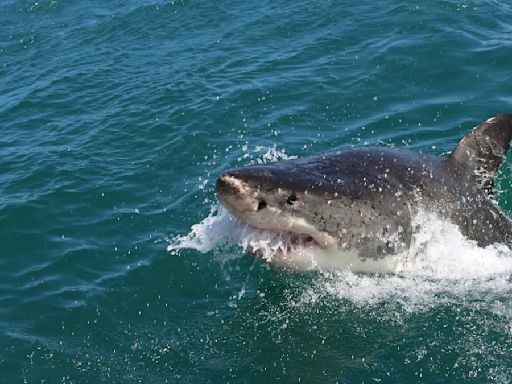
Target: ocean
116	119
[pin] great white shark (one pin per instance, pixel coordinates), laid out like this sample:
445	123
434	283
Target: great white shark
355	208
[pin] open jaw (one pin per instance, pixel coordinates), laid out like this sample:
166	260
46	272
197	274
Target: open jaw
274	245
290	241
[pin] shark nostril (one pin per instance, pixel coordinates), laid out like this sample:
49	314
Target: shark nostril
262	204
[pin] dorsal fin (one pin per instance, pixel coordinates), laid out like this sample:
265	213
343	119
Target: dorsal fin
483	149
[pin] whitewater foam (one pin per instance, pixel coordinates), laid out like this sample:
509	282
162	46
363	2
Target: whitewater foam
440	259
438	249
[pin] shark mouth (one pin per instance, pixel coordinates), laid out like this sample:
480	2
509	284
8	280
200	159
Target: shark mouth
269	243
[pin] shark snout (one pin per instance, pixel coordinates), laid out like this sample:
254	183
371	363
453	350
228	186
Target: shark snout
235	193
228	185
245	181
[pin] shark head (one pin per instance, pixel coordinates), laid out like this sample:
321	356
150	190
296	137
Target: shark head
322	206
272	198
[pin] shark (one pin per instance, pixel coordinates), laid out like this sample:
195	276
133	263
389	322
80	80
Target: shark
355	208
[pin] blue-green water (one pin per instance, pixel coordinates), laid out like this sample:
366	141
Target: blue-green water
116	118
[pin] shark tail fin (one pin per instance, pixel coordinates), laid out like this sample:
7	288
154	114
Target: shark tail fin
483	149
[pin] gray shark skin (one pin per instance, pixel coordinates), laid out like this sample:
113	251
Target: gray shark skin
362	200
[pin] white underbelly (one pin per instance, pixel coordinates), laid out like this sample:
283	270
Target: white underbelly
336	258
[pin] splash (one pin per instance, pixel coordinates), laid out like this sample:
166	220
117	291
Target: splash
440	259
221	228
438	249
262	155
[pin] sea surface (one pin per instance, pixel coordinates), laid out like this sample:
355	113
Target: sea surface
116	118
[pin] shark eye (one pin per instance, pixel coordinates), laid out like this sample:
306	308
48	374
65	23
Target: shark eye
291	199
262	204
